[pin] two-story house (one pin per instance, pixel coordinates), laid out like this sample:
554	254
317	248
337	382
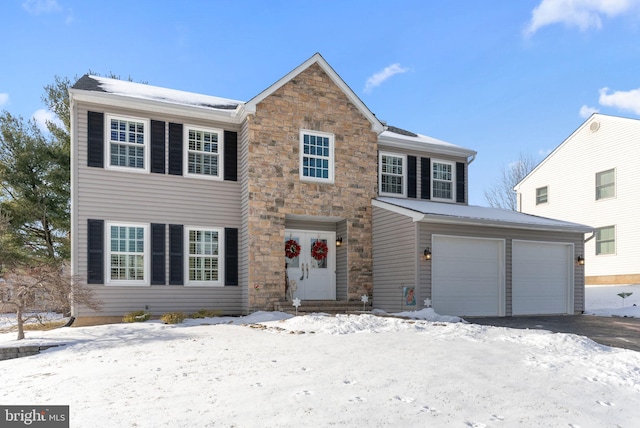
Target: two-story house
183	201
592	178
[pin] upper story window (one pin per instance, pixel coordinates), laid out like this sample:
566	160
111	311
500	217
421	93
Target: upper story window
606	240
127	254
203	152
606	184
392	174
442	176
542	195
128	140
316	156
203	256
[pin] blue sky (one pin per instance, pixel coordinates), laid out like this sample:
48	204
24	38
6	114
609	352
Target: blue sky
501	77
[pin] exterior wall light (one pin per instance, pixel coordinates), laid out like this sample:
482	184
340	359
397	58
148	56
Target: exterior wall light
580	260
427	253
339	241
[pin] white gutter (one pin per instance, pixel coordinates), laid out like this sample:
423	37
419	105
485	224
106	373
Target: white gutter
157	106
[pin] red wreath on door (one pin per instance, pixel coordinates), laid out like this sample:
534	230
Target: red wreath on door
291	249
319	250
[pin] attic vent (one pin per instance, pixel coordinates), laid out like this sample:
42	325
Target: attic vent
594	126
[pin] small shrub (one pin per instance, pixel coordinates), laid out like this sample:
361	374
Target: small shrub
137	316
206	313
172	317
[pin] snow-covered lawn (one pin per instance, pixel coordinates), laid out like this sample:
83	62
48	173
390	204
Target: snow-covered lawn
317	371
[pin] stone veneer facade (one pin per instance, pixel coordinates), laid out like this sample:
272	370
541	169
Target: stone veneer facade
310	100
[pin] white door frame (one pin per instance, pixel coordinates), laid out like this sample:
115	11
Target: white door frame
313	283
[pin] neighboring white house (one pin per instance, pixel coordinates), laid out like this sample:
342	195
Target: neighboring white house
593	178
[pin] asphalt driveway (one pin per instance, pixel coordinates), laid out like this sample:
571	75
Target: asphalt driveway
610	331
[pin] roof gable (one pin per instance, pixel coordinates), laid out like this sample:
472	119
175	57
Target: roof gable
376	125
592	124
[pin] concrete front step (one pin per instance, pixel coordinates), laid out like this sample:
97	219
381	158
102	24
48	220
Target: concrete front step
326	306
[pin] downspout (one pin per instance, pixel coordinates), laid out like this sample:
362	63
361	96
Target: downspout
469	161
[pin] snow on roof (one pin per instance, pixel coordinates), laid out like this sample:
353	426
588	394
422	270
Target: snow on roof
155	93
472	214
396	135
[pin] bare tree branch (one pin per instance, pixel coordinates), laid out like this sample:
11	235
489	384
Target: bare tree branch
501	194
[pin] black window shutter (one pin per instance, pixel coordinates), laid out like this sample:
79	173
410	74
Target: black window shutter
95	137
412	177
230	156
231	256
175	148
460	182
95	250
158	235
157	147
425	178
176	250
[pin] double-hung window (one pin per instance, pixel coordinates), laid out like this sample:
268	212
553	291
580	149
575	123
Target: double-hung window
606	240
127	258
316	156
606	184
128	143
442	176
392	174
203	249
542	195
203	152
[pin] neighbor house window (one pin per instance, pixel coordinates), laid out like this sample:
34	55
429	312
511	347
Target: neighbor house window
392	174
203	261
203	150
127	254
606	240
316	156
128	143
442	180
541	195
606	184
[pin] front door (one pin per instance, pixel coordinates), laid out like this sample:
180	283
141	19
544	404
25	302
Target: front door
314	269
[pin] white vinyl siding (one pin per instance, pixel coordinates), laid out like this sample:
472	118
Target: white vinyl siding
316	156
542	195
606	240
570	172
127	254
606	184
393	174
442	180
203	152
202	254
127	143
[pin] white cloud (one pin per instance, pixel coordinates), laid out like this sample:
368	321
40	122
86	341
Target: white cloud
378	78
629	100
583	14
4	99
586	111
43	116
37	7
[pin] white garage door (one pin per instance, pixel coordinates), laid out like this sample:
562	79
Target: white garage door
542	281
467	276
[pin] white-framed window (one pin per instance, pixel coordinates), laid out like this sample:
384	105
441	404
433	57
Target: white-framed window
316	156
203	152
127	140
542	195
203	249
393	174
606	240
127	254
606	184
442	180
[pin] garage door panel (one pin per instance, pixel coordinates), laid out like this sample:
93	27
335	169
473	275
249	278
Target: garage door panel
542	280
467	276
